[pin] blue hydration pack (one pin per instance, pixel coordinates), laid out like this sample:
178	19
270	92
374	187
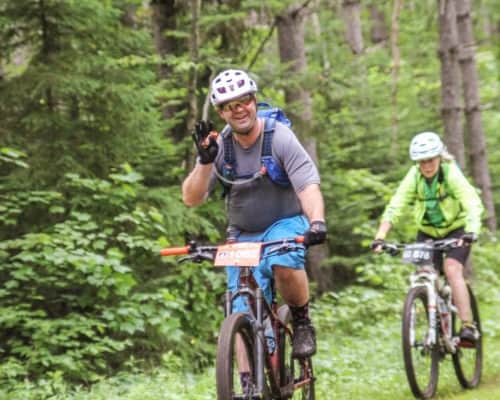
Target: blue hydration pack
269	166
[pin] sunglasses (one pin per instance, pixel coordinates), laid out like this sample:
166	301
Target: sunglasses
239	102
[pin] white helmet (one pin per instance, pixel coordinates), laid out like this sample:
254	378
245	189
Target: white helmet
231	84
426	145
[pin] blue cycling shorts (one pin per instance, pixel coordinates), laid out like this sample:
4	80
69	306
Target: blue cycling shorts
283	229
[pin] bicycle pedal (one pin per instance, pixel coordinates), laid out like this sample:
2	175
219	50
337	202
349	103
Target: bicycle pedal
466	344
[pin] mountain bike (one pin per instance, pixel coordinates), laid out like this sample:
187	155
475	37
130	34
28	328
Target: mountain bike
254	348
430	328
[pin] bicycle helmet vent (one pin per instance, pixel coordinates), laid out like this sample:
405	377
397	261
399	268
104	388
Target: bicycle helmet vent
231	84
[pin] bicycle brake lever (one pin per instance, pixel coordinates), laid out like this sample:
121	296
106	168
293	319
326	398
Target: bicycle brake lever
197	258
283	248
394	252
391	250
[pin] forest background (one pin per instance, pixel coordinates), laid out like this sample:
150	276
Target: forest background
97	101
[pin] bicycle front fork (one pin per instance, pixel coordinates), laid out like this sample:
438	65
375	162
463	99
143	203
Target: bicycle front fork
431	337
258	326
433	309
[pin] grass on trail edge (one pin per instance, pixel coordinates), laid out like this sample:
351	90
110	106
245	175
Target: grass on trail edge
367	365
359	357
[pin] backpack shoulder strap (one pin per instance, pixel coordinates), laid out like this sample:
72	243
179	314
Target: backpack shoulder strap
267	144
445	170
227	140
229	164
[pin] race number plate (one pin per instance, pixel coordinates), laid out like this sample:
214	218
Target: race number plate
418	254
238	255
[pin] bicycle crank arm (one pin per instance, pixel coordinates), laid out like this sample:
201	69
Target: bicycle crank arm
450	345
287	390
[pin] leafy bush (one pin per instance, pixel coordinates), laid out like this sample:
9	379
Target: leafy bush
84	290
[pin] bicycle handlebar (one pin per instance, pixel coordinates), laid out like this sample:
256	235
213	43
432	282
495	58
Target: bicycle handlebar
175	251
198	253
393	249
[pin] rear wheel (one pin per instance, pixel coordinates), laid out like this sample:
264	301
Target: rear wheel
421	360
235	365
468	359
293	371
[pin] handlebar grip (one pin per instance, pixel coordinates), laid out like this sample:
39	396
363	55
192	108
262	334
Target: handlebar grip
299	239
175	251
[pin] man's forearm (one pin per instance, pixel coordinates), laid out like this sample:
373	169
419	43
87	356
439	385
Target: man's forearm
311	201
195	186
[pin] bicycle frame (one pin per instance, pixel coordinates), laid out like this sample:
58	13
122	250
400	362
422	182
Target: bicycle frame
429	320
427	277
439	309
260	309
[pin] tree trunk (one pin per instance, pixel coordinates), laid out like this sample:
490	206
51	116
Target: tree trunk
489	24
396	58
292	54
477	146
450	80
351	11
378	31
164	18
325	61
193	55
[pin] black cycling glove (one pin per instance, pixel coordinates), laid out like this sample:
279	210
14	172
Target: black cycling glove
316	234
469	238
376	243
206	151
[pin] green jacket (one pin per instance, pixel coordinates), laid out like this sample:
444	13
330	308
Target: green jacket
458	200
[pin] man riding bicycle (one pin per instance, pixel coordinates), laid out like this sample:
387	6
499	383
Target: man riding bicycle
446	205
267	200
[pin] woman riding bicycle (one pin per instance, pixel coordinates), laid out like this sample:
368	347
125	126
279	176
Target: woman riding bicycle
446	205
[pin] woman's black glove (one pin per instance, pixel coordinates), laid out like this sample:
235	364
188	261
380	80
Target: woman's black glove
316	234
376	243
205	139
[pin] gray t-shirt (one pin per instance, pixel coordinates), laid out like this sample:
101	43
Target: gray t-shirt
254	206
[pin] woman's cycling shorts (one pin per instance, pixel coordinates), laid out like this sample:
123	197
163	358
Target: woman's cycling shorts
458	253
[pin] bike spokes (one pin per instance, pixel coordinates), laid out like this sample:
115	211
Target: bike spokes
296	376
468	358
304	381
420	356
235	367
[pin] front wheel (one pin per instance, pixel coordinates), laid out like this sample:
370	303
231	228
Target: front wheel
421	359
293	371
468	359
235	365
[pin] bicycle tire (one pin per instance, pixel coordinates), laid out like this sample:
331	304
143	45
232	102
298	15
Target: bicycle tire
421	363
468	361
293	370
227	372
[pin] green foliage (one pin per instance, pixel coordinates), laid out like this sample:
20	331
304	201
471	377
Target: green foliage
86	96
85	290
90	176
11	157
359	351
